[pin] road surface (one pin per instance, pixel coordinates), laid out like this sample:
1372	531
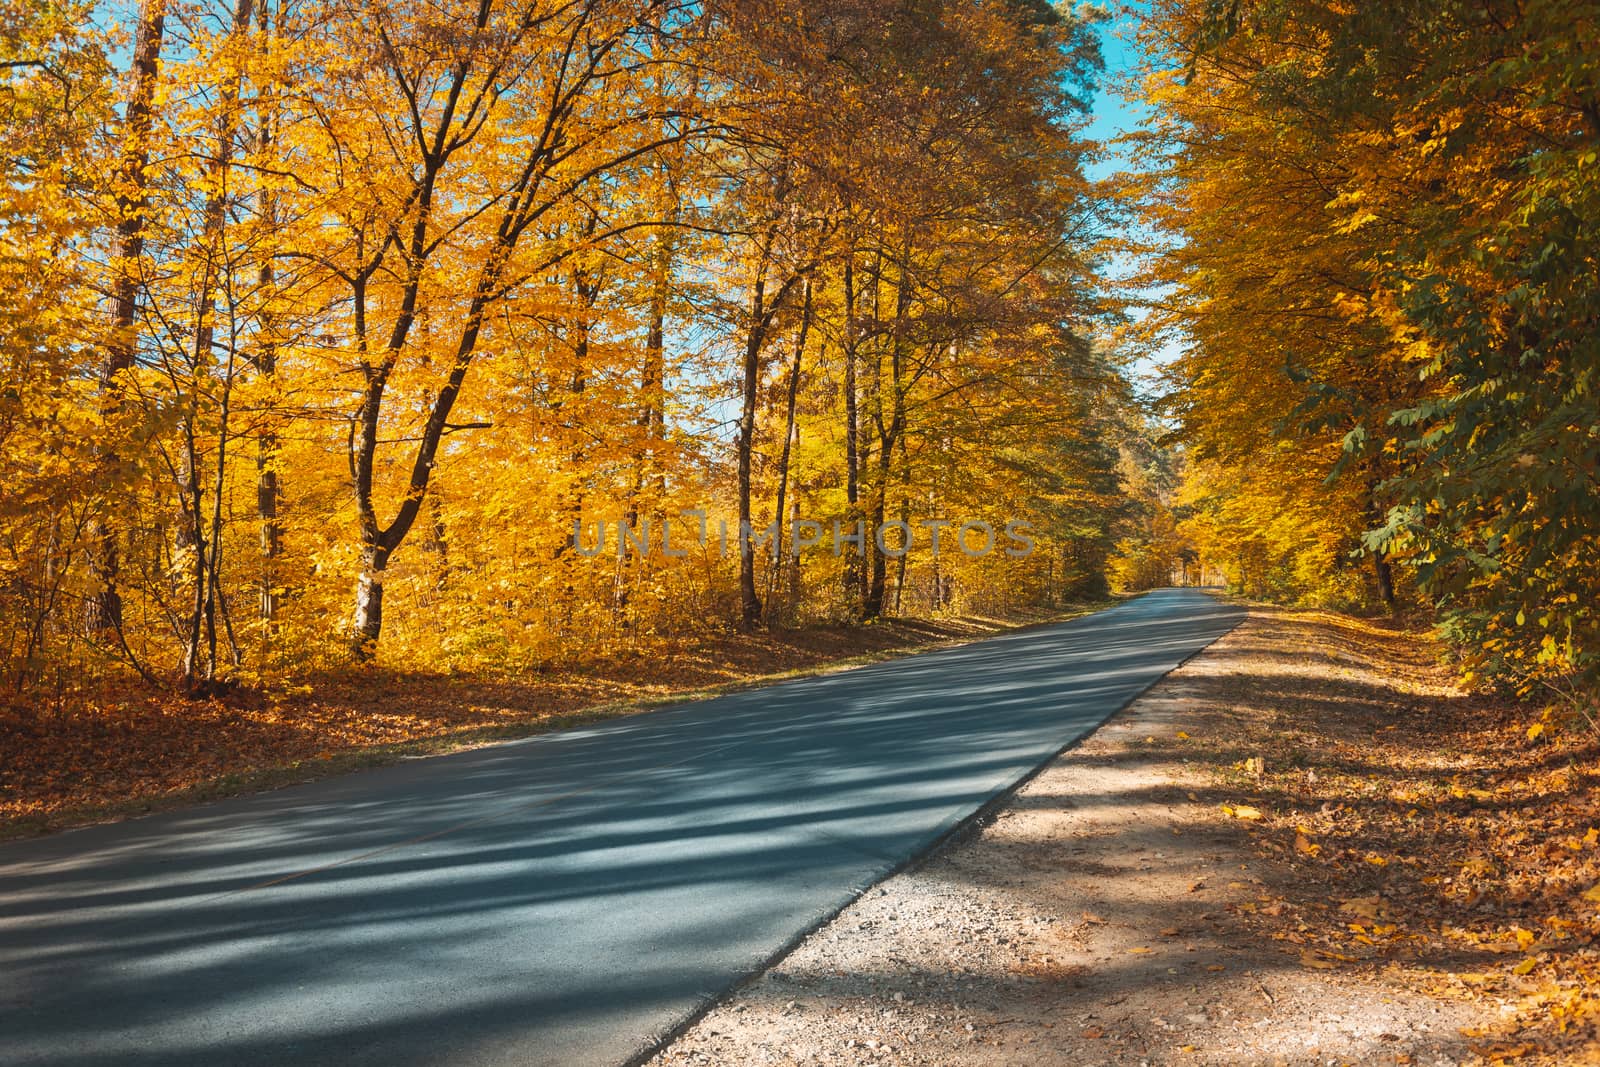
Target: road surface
564	899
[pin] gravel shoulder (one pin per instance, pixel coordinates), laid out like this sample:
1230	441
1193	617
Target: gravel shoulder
1112	912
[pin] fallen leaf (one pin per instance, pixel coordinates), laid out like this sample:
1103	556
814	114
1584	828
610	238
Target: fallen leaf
1364	907
1501	1053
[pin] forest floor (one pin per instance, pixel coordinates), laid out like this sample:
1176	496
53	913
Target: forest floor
128	749
1303	847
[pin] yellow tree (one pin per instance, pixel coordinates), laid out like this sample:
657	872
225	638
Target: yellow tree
472	130
1421	195
54	92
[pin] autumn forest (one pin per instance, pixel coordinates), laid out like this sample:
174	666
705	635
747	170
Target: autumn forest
329	326
481	337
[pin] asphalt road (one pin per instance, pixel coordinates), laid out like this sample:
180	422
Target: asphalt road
564	899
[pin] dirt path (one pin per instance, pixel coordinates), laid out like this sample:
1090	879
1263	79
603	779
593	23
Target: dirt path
1123	908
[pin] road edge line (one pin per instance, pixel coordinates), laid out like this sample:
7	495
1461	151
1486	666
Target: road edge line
947	838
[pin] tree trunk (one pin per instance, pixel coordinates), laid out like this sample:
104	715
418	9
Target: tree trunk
750	380
368	623
889	431
792	598
855	571
1385	578
1382	572
587	291
267	499
872	604
192	537
203	618
652	416
266	362
905	518
378	543
788	433
440	542
900	564
132	198
649	490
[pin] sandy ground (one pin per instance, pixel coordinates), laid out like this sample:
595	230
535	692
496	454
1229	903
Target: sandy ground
1110	913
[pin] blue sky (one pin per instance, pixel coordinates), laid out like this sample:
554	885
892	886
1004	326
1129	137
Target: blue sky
1113	114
